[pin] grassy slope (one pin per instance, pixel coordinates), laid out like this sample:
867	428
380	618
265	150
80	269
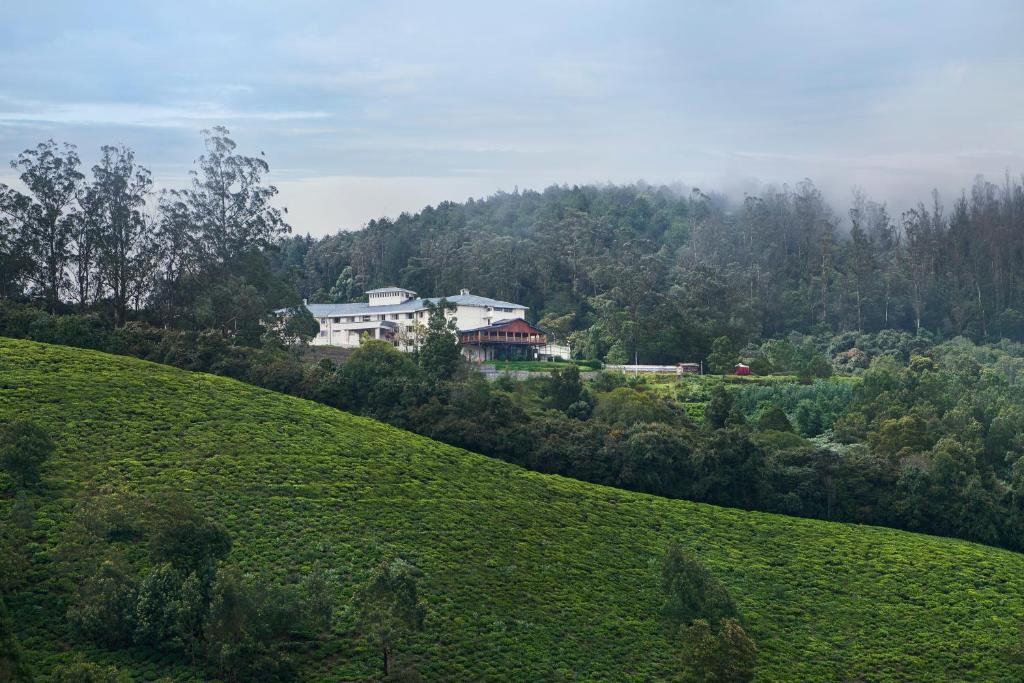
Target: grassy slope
529	577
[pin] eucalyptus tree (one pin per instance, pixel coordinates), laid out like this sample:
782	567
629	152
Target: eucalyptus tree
228	202
216	230
44	219
115	214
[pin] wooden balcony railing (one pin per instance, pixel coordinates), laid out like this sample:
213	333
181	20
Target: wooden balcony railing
499	337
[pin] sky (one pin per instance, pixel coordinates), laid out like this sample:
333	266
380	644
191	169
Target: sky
365	109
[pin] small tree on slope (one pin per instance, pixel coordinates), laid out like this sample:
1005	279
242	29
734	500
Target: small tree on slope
390	608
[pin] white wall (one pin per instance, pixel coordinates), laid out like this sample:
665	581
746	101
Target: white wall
466	318
386	299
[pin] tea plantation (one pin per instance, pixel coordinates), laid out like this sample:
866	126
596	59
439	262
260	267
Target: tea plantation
528	577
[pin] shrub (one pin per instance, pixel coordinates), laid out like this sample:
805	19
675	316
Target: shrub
23	513
319	599
690	591
723	656
24	446
563	388
13	664
773	419
186	539
723	357
156	606
808	418
624	407
81	671
718	409
105	610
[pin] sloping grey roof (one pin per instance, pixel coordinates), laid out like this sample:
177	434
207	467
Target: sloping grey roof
390	289
323	310
474	300
362	308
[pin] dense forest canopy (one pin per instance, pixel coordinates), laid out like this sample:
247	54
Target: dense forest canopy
648	272
623	272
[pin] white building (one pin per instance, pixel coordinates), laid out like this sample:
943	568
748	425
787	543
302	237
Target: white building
397	315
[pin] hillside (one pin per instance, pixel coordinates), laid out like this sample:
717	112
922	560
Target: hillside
528	577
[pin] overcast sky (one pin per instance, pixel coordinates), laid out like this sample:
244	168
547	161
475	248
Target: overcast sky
370	109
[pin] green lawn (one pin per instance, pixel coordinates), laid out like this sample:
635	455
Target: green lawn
529	577
533	365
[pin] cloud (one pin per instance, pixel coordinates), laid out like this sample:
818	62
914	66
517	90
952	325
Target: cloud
375	108
139	114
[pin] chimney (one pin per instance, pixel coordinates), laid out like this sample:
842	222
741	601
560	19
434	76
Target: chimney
305	301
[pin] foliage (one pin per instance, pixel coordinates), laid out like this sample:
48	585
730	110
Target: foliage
773	419
13	663
624	407
320	598
82	671
185	538
296	326
201	259
564	388
156	609
831	398
390	609
374	379
105	610
24	447
439	354
719	409
39	245
691	592
723	356
725	655
649	272
114	211
506	420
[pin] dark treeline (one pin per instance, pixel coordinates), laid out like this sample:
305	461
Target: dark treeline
189	258
643	271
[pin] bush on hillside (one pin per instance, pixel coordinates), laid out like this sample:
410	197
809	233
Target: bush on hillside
690	591
773	419
722	654
24	447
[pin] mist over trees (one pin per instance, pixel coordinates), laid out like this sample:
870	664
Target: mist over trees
643	272
635	272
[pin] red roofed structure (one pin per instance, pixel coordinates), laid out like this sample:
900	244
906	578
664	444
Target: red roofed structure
511	339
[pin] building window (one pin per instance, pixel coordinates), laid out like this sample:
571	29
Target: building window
337	320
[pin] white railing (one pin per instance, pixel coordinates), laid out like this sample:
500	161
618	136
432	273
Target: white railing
642	368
